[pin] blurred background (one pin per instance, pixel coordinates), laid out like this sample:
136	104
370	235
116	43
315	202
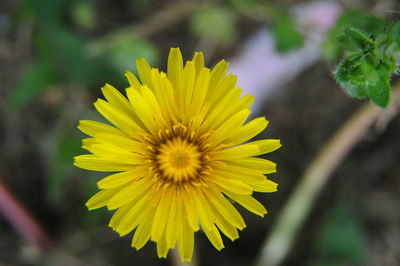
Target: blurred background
56	54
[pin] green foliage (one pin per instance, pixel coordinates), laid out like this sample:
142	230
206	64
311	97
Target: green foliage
214	23
370	64
340	241
65	148
358	20
34	81
286	35
123	54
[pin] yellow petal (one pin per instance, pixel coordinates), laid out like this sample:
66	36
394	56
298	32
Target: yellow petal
247	131
237	152
214	237
95	163
233	185
121	178
226	209
93	128
143	232
133	81
101	198
186	241
144	70
130	193
266	145
175	68
116	117
248	202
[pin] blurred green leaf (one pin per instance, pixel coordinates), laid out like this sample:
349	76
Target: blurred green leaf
124	53
64	51
60	166
214	23
286	35
340	241
394	32
84	14
34	81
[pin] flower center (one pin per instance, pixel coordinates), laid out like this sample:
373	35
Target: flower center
178	159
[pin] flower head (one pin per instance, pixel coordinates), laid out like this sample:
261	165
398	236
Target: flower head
177	146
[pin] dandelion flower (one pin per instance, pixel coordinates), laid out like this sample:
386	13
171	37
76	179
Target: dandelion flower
176	146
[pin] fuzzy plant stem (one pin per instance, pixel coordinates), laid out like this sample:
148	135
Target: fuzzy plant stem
21	220
315	177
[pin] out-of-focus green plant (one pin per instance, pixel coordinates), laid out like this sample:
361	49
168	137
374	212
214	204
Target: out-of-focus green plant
214	23
341	240
287	36
370	63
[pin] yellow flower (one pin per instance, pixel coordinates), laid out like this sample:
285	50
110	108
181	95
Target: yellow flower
176	146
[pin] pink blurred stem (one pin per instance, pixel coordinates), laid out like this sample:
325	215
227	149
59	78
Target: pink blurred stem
21	220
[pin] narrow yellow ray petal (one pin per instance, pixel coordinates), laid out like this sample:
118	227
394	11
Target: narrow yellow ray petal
266	145
202	208
101	198
237	152
243	174
189	79
175	68
226	227
139	209
227	84
150	98
248	202
116	117
259	164
161	216
115	98
129	193
121	178
144	70
247	131
170	231
133	81
190	209
233	185
198	60
121	142
120	214
200	90
143	232
143	110
214	236
88	142
95	163
229	127
267	186
226	209
186	241
93	128
217	74
162	249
